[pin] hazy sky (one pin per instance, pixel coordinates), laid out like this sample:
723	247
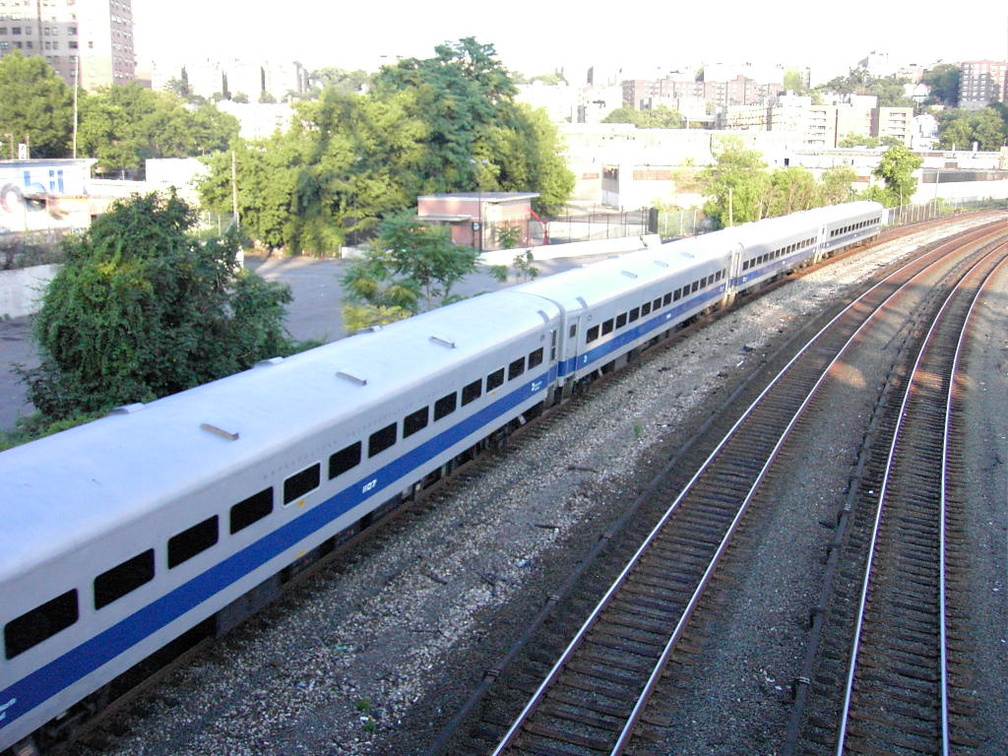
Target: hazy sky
538	36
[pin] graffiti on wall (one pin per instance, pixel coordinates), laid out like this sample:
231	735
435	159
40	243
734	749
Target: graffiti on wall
33	197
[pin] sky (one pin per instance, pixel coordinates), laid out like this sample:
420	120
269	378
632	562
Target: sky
540	36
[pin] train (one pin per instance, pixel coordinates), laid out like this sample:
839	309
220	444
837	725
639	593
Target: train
188	513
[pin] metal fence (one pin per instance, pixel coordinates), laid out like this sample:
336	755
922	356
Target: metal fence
575	224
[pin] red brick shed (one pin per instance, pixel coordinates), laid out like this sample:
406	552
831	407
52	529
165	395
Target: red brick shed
478	218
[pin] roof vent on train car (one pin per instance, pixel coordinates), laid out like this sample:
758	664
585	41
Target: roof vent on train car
219	431
628	274
271	361
352	378
443	342
661	263
127	409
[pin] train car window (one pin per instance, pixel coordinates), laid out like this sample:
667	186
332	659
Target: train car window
251	510
123	578
299	484
677	295
573	330
472	391
656	304
381	440
345	459
634	314
447	404
591	334
645	309
703	282
695	286
607	327
535	358
516	368
41	623
621	320
495	379
667	299
191	541
415	421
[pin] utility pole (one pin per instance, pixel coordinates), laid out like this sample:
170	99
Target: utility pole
234	188
76	87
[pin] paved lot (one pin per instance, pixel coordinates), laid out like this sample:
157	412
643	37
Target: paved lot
313	314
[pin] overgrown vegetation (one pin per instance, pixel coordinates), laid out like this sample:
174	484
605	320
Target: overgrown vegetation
442	124
142	309
741	188
412	267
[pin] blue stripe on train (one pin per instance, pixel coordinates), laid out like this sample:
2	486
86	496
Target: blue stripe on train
35	688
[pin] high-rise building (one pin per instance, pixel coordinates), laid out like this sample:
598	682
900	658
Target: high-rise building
982	82
92	37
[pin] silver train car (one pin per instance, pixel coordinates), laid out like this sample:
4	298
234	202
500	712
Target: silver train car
124	534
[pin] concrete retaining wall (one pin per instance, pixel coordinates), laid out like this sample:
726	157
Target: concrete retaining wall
21	290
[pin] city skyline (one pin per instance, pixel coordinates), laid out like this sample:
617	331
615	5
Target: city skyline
537	38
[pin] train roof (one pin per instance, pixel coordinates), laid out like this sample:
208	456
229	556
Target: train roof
89	478
609	279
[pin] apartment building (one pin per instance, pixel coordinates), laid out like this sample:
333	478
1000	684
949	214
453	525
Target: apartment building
89	38
982	82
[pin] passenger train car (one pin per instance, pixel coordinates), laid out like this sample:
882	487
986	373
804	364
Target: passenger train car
121	535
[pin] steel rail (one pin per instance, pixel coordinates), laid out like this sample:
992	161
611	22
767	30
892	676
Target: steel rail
901	415
558	666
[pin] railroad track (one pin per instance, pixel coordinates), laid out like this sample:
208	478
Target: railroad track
596	693
889	677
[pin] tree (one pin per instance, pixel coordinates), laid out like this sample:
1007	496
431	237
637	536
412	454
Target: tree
960	129
124	125
736	184
477	135
895	170
412	267
36	107
141	310
943	83
837	184
791	189
661	117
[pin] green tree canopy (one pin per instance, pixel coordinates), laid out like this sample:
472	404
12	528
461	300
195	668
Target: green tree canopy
35	104
960	129
895	170
448	123
141	309
736	184
661	117
888	89
413	266
740	188
124	125
465	97
943	83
